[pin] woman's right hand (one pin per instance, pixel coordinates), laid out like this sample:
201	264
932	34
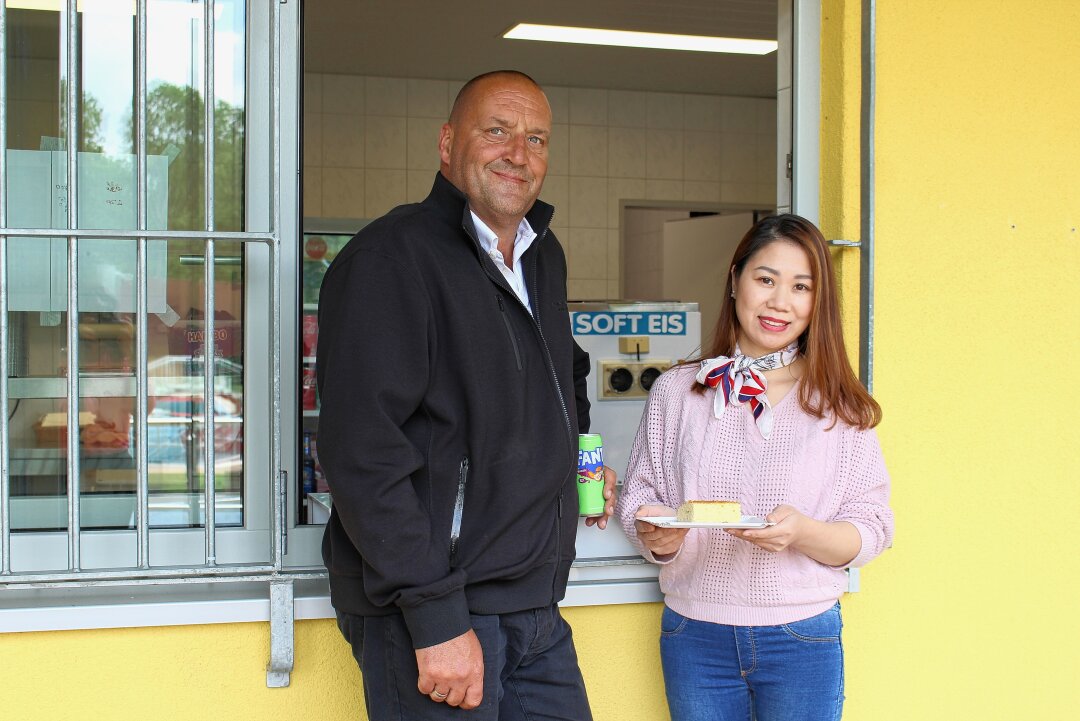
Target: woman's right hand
659	541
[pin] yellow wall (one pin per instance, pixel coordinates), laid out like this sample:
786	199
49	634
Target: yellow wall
179	673
972	614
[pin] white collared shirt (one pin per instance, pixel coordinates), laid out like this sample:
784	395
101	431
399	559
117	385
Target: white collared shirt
490	243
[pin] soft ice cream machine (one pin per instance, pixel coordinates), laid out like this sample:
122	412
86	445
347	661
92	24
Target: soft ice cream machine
629	345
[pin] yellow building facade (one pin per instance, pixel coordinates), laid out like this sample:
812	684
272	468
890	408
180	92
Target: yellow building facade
970	616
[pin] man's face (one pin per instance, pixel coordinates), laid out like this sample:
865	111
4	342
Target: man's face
495	150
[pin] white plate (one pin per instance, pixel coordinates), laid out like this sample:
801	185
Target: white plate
670	522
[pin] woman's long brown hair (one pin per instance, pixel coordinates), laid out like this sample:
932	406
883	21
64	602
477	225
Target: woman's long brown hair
829	384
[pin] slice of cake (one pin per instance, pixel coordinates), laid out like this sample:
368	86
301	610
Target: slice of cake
710	512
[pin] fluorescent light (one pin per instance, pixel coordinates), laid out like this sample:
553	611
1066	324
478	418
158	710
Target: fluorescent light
630	39
105	7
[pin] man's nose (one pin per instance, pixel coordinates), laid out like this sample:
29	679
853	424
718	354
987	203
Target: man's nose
517	149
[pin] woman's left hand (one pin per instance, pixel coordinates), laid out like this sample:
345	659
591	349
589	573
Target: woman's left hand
790	525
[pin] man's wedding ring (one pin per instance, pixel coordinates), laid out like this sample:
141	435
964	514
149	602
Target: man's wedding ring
436	694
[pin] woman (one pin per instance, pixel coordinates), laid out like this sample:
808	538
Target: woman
751	624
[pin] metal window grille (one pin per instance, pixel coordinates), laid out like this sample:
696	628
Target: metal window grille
280	580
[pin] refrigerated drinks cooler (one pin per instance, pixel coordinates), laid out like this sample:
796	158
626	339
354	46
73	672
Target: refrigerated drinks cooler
630	343
321	242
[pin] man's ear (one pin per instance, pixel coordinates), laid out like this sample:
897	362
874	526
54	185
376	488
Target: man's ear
446	140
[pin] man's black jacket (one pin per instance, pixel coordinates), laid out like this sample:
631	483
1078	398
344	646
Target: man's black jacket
449	421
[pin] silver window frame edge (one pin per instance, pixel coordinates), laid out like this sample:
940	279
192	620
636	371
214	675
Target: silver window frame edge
806	109
256	609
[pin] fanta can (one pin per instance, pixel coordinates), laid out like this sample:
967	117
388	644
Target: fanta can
590	475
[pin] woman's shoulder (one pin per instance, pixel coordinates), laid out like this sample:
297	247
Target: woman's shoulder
829	422
675	381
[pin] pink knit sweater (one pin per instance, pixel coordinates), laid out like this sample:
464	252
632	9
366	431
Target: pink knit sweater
682	452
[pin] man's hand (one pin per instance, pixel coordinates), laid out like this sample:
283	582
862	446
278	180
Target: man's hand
609	500
452	672
659	541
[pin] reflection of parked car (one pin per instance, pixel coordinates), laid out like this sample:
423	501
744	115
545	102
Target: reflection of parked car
176	419
176	411
228	418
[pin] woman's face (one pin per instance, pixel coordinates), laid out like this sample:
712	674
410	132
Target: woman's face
774	298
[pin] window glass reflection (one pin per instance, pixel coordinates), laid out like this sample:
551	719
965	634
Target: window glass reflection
106	324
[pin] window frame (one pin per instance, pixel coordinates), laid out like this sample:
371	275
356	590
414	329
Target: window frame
271	467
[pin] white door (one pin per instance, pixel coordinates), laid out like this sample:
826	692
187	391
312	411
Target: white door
696	254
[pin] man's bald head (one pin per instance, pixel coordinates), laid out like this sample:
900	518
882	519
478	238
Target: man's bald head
466	96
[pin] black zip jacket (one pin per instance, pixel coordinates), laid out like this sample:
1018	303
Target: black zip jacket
449	421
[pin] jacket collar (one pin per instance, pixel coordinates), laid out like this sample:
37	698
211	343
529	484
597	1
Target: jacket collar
451	203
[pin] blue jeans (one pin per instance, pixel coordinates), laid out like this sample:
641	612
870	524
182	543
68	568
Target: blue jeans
530	669
791	672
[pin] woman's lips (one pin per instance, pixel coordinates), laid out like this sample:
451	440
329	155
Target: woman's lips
773	325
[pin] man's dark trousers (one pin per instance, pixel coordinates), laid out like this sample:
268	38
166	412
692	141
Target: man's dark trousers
530	669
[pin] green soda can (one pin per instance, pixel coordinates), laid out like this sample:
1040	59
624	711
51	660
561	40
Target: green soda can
590	475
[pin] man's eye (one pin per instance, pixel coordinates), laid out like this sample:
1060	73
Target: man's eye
497	131
536	140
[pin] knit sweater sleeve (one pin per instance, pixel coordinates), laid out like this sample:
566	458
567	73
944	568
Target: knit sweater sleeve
650	477
864	485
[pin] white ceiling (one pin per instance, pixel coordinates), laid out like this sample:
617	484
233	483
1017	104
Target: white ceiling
457	39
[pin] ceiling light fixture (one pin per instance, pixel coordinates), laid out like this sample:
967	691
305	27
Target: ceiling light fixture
631	39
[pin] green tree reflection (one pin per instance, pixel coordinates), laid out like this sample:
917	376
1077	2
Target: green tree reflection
175	119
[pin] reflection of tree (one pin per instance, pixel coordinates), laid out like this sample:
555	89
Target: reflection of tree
175	122
90	140
89	121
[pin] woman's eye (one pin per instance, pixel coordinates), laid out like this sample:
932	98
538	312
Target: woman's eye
802	286
767	281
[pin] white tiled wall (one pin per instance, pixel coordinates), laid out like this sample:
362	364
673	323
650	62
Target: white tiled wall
642	242
371	143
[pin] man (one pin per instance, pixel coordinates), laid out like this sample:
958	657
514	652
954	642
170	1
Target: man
452	397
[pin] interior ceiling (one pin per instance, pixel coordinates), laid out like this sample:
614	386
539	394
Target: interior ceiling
457	39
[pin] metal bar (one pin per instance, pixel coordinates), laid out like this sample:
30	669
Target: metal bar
113	386
209	354
219	236
281	634
191	259
142	355
198	574
5	481
616	561
72	129
866	201
281	595
279	489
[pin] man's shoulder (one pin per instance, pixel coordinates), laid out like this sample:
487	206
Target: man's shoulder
395	233
397	225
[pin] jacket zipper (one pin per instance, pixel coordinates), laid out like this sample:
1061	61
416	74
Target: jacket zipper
509	331
558	547
547	350
459	505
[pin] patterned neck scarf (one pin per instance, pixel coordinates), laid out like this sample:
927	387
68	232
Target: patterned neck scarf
740	379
